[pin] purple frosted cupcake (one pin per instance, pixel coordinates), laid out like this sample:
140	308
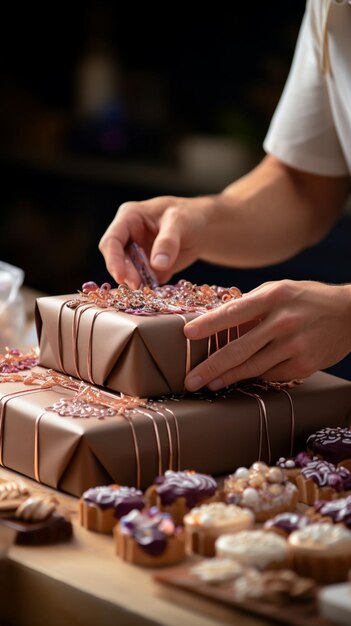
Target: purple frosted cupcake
320	480
286	523
149	538
293	465
332	444
100	508
339	511
178	492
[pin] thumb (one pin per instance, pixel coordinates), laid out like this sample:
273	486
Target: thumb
166	247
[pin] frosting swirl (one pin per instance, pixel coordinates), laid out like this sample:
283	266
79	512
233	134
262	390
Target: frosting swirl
122	499
287	522
332	444
150	528
190	485
219	515
325	474
338	510
256	548
296	462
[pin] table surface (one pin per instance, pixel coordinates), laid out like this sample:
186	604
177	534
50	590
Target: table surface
82	582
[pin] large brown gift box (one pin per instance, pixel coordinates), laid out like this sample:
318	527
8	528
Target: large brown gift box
136	355
204	434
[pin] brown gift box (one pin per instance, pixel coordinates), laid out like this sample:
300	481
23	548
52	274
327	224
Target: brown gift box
215	437
136	355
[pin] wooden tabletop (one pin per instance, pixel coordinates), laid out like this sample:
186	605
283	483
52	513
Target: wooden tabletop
83	583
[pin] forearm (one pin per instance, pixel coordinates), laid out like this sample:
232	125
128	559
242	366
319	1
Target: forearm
271	214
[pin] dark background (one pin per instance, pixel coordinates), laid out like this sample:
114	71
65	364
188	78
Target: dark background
180	74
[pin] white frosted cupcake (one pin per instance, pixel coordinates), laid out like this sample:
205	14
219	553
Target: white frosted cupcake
322	551
255	548
205	523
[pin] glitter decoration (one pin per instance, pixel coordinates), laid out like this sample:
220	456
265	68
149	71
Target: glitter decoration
183	297
13	362
70	407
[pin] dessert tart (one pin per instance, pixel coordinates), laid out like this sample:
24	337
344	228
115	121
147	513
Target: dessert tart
100	508
149	538
255	548
205	523
286	523
322	552
265	490
332	444
336	511
178	492
292	466
321	480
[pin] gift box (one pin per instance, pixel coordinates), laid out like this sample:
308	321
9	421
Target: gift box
137	355
207	433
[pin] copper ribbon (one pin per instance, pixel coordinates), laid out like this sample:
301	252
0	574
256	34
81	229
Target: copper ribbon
3	402
78	312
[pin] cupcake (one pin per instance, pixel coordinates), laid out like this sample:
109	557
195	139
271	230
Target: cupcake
100	508
336	511
205	523
332	444
320	480
322	552
286	523
178	492
149	538
255	548
293	465
265	490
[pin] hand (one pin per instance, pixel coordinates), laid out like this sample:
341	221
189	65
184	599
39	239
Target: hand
302	327
171	230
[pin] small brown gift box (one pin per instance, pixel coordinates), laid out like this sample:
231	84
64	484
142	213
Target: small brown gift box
204	434
136	355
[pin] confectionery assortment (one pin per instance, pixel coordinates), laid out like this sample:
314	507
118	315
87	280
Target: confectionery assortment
261	546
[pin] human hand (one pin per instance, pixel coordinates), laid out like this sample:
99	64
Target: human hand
302	326
172	231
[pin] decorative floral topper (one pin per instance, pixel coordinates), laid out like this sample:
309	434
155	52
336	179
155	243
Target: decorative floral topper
14	361
184	297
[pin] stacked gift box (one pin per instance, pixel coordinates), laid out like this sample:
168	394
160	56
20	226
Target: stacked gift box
71	444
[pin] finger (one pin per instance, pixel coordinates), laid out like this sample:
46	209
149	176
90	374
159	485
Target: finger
228	315
267	357
165	249
290	369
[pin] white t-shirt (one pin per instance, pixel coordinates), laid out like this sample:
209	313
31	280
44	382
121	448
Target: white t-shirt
311	127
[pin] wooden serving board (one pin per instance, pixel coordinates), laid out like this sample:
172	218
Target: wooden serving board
303	613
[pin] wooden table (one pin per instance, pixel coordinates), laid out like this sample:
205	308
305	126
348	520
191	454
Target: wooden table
83	583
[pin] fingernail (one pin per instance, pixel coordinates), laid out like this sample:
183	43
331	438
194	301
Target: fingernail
161	261
194	382
218	383
191	331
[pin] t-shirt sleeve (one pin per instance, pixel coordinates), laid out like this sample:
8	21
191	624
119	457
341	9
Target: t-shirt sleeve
302	131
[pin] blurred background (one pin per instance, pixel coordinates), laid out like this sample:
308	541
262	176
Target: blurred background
101	104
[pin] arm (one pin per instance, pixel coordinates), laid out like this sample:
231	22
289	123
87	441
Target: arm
263	218
271	214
